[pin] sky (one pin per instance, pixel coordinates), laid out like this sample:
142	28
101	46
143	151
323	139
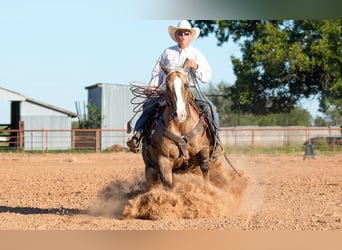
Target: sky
51	50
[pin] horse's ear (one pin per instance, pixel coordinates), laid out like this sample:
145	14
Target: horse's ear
164	68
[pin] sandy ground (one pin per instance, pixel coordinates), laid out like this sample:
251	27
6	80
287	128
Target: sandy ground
106	191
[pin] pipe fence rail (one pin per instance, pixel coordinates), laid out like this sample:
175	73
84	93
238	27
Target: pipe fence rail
102	139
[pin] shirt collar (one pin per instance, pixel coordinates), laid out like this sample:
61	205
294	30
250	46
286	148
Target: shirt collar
180	50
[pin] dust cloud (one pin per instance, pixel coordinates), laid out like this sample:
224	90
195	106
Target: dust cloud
191	197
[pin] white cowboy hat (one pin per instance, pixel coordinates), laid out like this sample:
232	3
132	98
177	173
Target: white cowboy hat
183	25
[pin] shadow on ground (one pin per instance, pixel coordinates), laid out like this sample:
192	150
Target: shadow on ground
36	210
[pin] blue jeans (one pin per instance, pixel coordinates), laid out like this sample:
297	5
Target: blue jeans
207	107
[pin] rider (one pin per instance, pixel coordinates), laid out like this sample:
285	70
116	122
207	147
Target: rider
173	57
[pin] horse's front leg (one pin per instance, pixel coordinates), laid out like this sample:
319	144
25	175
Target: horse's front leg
204	163
151	176
165	168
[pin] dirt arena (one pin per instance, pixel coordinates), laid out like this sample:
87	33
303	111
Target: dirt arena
106	191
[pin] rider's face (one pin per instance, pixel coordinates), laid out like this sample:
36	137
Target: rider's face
183	38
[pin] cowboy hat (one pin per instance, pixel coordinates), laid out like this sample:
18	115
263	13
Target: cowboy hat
183	25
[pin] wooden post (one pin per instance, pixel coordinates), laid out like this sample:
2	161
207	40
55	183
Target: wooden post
98	144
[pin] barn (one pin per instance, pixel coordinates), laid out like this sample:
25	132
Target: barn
33	116
113	100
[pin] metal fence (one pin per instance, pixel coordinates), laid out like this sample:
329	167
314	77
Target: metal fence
101	139
278	136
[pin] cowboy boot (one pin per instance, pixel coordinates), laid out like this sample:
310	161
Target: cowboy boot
134	142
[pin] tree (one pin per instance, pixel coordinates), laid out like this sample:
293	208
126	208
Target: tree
91	119
320	121
220	96
282	62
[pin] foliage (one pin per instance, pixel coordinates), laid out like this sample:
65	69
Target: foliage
282	62
330	118
229	116
90	120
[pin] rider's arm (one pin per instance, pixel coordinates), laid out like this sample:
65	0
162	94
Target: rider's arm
203	72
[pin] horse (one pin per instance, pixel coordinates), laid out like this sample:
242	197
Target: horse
178	141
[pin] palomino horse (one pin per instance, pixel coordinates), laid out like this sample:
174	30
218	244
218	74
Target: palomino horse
178	140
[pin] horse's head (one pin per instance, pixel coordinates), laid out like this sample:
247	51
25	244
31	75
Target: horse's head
177	94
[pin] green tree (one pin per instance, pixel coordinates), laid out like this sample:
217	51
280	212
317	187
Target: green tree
94	117
282	62
91	119
229	116
320	121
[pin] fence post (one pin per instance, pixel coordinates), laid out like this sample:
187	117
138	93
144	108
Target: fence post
97	138
72	139
252	137
46	141
31	141
42	140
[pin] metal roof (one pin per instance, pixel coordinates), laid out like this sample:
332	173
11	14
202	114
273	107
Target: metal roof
9	95
100	85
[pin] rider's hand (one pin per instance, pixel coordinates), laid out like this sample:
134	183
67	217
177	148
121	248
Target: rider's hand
190	63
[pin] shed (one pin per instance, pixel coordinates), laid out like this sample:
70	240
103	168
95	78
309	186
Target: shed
30	115
113	100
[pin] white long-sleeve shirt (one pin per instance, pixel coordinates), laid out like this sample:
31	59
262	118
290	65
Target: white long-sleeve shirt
174	57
